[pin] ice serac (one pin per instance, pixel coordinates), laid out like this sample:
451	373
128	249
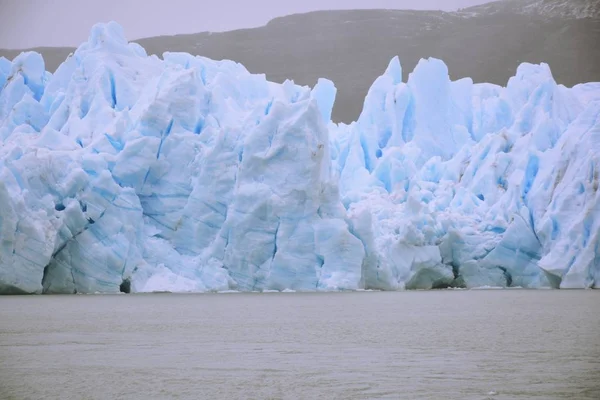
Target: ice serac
127	172
462	184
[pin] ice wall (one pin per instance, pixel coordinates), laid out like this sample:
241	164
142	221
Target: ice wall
462	184
124	171
185	174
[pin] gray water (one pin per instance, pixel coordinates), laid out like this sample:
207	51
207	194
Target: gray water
497	344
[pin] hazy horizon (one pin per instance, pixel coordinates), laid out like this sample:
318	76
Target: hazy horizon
45	28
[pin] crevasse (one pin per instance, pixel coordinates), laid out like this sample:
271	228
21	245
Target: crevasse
122	170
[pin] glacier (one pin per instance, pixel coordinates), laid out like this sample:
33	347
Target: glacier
128	172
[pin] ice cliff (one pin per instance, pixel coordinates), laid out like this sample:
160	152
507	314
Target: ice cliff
125	172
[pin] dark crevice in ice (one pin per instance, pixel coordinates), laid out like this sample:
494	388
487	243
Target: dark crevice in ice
163	137
113	90
455	270
507	275
125	286
45	275
275	241
321	262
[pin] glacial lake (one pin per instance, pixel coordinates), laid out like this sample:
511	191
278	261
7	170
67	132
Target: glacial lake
446	344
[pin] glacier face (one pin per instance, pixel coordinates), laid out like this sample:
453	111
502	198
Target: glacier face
499	184
123	171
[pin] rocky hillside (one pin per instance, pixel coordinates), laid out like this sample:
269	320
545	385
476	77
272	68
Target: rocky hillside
352	48
571	9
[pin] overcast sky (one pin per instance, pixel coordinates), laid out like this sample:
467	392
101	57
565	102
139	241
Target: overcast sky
29	23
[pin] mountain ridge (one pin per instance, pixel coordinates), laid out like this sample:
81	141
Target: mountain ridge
352	47
571	9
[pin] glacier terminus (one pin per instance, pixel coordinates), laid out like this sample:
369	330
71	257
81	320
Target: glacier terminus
128	172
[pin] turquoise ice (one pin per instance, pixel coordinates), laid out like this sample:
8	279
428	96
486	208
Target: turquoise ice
124	171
